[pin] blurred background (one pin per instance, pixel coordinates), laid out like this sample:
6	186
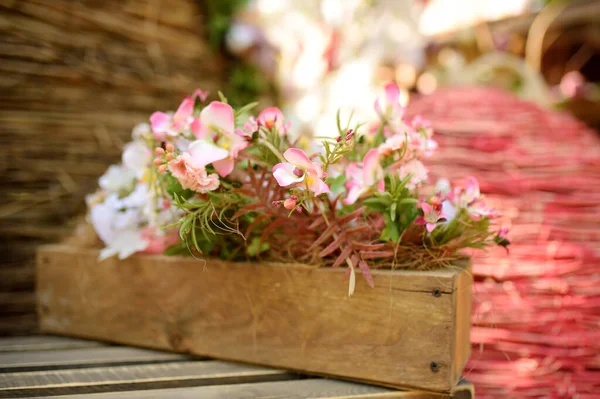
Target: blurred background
511	88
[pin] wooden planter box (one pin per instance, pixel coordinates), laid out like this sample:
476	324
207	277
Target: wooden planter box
410	331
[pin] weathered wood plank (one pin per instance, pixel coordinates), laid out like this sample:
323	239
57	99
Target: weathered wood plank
55	359
44	342
139	377
299	389
284	316
462	319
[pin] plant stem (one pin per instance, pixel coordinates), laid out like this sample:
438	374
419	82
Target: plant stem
273	149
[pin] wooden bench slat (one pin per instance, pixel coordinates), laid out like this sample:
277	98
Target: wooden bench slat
298	389
123	378
55	359
44	342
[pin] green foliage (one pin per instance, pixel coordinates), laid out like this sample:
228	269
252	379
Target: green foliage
397	206
256	247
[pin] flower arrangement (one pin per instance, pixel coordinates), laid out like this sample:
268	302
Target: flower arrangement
210	180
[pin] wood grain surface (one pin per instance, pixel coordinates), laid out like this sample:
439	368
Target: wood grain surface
44	342
177	378
287	316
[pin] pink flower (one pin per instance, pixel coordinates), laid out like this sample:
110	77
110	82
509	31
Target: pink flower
364	176
503	233
466	193
421	145
166	125
393	144
217	124
300	172
201	94
417	172
431	216
191	175
390	106
250	127
467	196
420	124
271	118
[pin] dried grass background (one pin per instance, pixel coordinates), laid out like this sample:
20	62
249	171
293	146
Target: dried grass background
75	76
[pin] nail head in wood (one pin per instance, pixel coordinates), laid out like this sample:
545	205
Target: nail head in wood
436	292
434	366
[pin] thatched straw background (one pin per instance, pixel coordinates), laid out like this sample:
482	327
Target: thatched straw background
75	76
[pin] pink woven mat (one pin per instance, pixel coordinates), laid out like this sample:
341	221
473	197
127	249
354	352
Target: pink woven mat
536	316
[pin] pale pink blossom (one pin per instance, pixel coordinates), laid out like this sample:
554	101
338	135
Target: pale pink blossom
166	125
300	172
393	144
250	126
191	175
271	118
364	176
418	123
220	143
431	216
465	193
417	172
420	144
389	106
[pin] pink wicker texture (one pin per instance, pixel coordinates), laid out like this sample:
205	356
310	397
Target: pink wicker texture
536	319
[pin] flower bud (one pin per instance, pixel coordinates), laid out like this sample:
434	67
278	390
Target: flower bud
291	202
170	147
159	151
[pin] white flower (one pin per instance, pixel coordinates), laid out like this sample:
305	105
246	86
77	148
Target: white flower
117	179
141	130
449	211
124	244
443	186
137	157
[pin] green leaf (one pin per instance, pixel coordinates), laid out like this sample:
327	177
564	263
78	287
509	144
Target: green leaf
336	185
254	250
222	97
393	211
245	109
177	250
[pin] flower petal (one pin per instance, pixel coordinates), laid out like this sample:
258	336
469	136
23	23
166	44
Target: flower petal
160	122
420	220
284	174
354	171
426	208
371	168
184	111
299	158
217	117
238	143
224	166
392	94
430	227
317	186
354	192
196	127
203	153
